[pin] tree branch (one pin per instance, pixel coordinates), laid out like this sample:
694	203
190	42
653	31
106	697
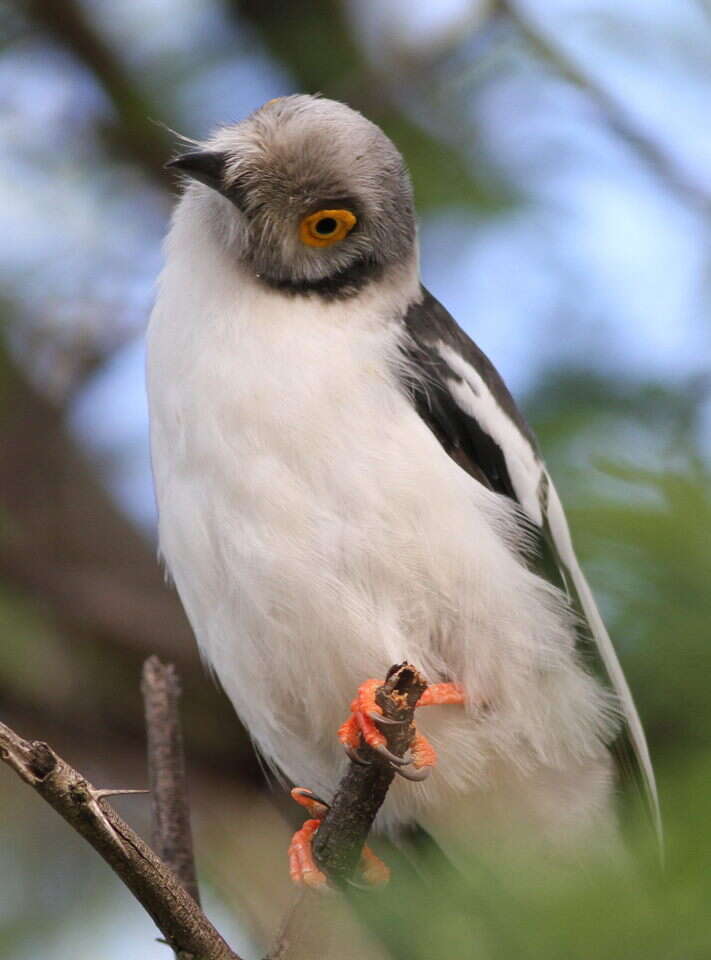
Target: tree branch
172	837
362	790
179	918
316	926
162	887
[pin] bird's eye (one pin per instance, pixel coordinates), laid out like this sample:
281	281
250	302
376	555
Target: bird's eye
325	227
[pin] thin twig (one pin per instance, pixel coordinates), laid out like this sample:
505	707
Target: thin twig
179	918
172	837
362	790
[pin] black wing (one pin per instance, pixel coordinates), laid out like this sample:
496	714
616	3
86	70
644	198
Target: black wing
466	440
465	403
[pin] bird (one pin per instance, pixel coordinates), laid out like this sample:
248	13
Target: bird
344	482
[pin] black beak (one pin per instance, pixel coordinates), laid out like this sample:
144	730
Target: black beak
207	166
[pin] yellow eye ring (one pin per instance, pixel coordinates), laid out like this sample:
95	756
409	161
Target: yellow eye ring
325	227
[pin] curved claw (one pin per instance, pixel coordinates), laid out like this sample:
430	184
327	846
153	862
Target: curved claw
308	795
415	774
353	754
392	757
306	798
381	720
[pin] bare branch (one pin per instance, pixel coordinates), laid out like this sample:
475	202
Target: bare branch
340	838
182	923
313	926
172	838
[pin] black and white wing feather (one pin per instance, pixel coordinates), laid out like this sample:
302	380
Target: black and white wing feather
463	400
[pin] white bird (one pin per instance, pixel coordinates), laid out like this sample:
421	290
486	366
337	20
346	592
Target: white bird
344	482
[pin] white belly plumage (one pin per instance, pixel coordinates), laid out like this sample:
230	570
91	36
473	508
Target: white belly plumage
317	533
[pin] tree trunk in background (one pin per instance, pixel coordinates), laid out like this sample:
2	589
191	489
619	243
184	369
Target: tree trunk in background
68	550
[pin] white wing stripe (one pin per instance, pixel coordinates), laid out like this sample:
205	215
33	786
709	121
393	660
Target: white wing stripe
474	397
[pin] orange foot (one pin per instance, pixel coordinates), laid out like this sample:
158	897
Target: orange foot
362	726
302	866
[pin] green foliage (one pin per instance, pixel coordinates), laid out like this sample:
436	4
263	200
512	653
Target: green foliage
639	503
501	910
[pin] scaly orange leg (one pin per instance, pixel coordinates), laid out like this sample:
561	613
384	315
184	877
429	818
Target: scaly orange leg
439	694
302	866
362	726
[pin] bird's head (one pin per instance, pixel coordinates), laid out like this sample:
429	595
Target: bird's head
319	197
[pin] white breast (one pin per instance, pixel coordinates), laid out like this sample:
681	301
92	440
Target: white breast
317	533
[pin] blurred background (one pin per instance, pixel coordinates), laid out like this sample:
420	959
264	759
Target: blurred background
561	154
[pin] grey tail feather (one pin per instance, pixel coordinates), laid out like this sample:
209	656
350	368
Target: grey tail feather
630	748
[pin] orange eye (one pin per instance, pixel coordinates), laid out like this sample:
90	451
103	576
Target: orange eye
325	227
